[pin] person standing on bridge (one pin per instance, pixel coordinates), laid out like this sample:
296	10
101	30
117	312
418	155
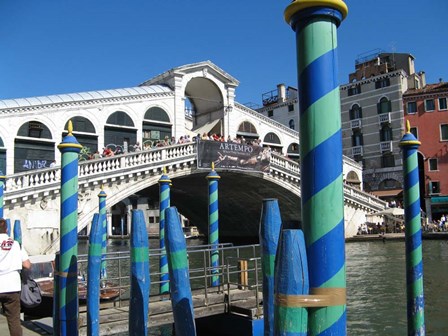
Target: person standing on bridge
12	259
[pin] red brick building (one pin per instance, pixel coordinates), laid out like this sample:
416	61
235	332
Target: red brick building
427	111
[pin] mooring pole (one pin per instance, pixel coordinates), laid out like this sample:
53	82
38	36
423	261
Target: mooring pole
8	226
181	300
17	231
140	279
68	268
291	285
2	186
213	223
164	203
93	276
103	221
315	24
413	235
270	224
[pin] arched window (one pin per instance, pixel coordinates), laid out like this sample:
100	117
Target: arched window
156	127
34	129
120	118
157	114
384	106
2	157
355	112
272	138
292	124
33	147
120	131
247	127
293	151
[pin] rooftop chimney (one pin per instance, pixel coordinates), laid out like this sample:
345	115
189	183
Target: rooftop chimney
281	92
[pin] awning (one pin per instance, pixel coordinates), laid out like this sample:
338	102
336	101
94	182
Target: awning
387	193
206	127
439	199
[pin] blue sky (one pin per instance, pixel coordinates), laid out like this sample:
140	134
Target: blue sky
60	46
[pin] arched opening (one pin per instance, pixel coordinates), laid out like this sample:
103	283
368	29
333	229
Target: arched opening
33	147
353	180
293	151
156	127
247	131
205	104
355	112
272	140
292	124
119	225
120	132
85	133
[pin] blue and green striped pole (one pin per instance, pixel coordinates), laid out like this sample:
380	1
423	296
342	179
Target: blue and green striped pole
8	226
213	223
2	187
164	203
93	277
68	267
315	24
140	280
181	300
17	231
413	235
103	220
270	224
291	285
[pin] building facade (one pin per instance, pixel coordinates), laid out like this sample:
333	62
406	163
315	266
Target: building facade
373	118
427	111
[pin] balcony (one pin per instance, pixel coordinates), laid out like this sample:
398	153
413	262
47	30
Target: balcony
386	146
357	151
384	118
355	123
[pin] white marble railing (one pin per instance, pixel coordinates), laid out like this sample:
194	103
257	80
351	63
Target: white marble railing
32	180
28	183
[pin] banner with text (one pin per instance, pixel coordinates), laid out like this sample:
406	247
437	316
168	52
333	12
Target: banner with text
228	155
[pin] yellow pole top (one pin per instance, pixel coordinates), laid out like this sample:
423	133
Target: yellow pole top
408	126
164	170
70	127
298	5
213	166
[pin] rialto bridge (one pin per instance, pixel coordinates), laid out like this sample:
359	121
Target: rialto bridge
192	99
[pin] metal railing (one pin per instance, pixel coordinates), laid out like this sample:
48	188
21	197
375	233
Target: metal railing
200	270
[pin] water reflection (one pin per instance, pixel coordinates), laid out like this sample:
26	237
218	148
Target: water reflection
376	286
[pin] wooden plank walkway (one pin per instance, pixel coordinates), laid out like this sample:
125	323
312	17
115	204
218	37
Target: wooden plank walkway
114	319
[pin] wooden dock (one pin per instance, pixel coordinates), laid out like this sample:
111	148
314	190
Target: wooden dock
114	319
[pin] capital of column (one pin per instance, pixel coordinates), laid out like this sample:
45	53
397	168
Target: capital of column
301	9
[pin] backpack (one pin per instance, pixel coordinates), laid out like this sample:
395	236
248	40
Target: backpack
30	296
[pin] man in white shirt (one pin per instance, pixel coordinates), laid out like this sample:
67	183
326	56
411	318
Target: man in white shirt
12	259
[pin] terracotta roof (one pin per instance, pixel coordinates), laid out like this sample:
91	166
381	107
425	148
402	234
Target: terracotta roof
429	88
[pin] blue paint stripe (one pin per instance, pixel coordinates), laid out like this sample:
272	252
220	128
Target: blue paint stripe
329	263
412	210
69	171
415	273
181	284
414	242
338	328
69	205
411	178
327	157
213	207
324	69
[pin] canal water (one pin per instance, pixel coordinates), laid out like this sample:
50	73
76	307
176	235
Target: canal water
376	287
